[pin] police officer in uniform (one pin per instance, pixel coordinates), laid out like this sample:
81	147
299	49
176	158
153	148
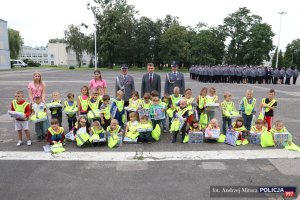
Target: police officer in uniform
174	79
125	82
288	75
295	75
275	76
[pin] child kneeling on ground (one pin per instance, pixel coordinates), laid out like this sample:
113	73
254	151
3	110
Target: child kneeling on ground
55	133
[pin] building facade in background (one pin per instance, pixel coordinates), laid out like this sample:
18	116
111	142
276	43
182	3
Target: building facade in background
4	46
53	54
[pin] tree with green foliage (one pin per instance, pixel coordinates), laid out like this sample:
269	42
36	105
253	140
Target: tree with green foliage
295	46
288	56
15	43
57	40
116	25
207	46
76	41
174	45
250	40
280	59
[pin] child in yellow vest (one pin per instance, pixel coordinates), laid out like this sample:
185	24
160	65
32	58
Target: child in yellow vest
201	100
268	105
174	103
258	127
247	108
83	100
55	133
182	112
211	98
39	108
20	105
70	107
239	127
134	101
97	133
132	124
228	108
118	104
280	128
115	130
94	107
56	112
144	124
105	111
213	125
189	100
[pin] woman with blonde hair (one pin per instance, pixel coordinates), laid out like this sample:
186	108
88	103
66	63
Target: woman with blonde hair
37	87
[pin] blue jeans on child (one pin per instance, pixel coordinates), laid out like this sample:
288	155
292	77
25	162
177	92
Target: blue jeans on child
247	121
40	129
226	124
56	137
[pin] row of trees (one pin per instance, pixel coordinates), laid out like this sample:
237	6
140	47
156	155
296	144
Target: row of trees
122	38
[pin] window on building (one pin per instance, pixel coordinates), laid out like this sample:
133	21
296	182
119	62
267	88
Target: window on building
52	62
45	55
52	56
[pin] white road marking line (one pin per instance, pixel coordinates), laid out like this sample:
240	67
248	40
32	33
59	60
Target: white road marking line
151	156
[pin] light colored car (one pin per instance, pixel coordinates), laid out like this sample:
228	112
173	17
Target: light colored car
18	63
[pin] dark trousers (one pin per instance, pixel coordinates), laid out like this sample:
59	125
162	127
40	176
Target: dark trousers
71	122
275	80
58	116
159	122
40	129
287	81
247	121
294	80
183	132
226	124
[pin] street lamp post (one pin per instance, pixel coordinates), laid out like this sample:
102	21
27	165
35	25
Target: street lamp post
95	11
281	13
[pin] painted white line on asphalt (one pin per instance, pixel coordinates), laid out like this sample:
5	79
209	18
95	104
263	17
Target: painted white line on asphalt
150	156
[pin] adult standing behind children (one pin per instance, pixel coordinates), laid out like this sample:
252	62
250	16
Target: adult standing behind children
174	79
125	83
151	81
98	83
37	88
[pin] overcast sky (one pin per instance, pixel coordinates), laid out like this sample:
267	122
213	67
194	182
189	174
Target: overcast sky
40	20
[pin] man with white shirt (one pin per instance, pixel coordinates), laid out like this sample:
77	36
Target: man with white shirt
150	81
174	79
125	83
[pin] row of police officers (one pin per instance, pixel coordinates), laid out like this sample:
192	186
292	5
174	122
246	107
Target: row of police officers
243	74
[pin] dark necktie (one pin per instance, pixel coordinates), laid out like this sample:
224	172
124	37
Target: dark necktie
150	79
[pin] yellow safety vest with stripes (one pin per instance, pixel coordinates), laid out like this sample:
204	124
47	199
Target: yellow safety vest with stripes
84	103
58	132
249	107
271	103
19	108
201	102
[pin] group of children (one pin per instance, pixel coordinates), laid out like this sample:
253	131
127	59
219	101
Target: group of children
102	116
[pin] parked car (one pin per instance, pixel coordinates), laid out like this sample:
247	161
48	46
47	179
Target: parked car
18	63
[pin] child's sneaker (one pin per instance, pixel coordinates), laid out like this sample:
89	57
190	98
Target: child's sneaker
28	142
20	142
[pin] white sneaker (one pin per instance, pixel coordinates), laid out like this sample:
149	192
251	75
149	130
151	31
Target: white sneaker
20	142
28	142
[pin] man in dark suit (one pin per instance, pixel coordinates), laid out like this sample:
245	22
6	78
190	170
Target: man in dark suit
174	79
125	83
151	81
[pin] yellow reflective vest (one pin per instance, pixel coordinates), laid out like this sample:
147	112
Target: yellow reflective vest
95	105
19	108
58	132
249	107
271	103
201	101
84	103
